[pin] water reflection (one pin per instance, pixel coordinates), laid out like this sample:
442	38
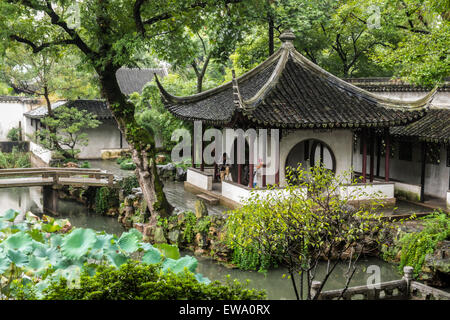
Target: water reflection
280	288
30	199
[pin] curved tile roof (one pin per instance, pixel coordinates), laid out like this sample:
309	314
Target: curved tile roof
434	127
97	107
289	91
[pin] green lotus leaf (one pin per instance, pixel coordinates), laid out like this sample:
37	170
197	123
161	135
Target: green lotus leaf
178	266
9	215
22	226
116	258
137	233
36	235
4	263
56	240
103	242
37	263
152	256
17	257
49	253
169	251
78	242
3	225
200	278
19	241
128	242
50	227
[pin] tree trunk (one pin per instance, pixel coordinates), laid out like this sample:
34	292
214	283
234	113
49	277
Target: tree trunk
52	130
141	141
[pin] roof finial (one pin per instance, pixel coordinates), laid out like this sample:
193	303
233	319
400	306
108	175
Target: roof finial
287	36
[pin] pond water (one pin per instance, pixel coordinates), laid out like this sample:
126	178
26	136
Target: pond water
277	287
30	199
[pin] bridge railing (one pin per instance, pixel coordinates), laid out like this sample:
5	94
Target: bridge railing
57	173
404	288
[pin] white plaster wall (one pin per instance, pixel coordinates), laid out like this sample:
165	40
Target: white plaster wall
105	136
44	154
12	114
448	199
240	193
340	141
412	189
234	192
367	191
436	176
199	179
441	99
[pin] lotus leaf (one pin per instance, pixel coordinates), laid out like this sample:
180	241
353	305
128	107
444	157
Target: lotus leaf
116	258
169	251
37	263
152	256
129	242
78	242
20	241
9	215
200	278
4	263
17	257
177	266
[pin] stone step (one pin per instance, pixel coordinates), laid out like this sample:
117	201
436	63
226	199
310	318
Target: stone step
208	198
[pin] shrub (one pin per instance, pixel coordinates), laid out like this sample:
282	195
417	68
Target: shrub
13	134
14	159
127	165
136	281
106	198
85	164
128	183
416	245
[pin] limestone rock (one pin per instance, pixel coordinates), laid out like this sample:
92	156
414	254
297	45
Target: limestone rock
159	235
200	209
174	236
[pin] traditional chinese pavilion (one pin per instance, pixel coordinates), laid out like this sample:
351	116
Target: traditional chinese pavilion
318	113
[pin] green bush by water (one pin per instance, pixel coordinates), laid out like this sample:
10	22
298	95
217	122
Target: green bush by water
80	263
106	198
415	246
136	281
14	159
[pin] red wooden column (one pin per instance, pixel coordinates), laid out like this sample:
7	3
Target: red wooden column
364	160
372	155
250	175
239	180
264	174
277	162
387	154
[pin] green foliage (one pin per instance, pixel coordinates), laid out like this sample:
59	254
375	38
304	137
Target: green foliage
14	159
67	126
415	246
128	183
106	198
307	221
13	134
85	164
190	221
127	165
47	251
136	281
